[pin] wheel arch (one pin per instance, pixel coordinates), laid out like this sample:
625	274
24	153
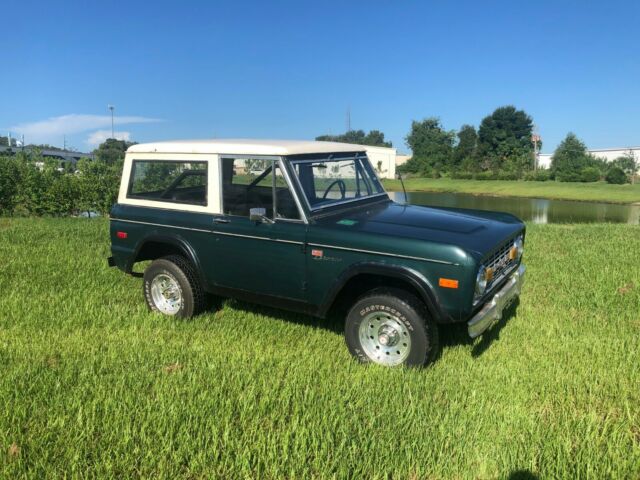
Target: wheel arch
362	277
156	245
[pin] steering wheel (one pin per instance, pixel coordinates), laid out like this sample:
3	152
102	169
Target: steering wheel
341	186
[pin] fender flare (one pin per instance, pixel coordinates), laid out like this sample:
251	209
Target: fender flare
174	240
414	278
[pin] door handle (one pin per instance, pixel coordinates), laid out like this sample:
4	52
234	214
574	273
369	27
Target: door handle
220	220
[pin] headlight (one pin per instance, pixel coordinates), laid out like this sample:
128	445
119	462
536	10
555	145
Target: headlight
481	281
518	244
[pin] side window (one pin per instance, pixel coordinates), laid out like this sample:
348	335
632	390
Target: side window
169	181
256	183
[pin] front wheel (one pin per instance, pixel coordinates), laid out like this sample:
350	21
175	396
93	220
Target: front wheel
391	327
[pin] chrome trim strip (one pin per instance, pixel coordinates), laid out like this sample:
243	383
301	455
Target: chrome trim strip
256	237
351	200
335	247
211	231
373	252
160	225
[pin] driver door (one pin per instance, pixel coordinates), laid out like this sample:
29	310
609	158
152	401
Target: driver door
263	257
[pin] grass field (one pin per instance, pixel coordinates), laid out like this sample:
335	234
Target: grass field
591	192
93	385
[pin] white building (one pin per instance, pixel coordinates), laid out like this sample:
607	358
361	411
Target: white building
608	154
383	159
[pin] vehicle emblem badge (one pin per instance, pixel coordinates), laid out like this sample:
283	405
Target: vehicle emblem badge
317	253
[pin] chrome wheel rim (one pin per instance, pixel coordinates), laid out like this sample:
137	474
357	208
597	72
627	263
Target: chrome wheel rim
384	338
166	294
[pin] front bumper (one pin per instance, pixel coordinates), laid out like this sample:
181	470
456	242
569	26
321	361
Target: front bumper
491	312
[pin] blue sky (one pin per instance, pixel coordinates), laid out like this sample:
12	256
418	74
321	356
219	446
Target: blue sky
277	69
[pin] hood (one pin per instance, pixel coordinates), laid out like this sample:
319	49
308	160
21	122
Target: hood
475	231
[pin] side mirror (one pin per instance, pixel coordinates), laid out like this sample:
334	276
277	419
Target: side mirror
259	215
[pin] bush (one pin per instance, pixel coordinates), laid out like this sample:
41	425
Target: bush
9	181
538	176
568	176
590	174
616	175
462	175
486	176
508	176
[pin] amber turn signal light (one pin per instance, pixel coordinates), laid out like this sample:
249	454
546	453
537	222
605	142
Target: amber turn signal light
448	283
489	274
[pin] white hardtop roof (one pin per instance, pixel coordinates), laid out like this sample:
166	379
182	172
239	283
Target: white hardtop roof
246	147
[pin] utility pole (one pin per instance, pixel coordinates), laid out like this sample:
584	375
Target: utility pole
348	119
64	143
535	138
112	108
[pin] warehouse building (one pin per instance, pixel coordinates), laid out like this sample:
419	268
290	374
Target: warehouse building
608	154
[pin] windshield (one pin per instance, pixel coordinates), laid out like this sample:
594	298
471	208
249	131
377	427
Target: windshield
327	180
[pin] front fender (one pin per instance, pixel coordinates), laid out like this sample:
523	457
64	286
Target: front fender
414	278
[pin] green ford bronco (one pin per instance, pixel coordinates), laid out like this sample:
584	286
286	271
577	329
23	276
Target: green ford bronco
307	226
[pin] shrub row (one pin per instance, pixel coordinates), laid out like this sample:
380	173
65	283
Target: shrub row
41	187
614	175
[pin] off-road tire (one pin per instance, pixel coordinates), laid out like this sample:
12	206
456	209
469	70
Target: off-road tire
405	307
194	297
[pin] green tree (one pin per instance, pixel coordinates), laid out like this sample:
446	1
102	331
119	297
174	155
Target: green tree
112	150
432	147
570	158
628	164
374	138
465	152
504	140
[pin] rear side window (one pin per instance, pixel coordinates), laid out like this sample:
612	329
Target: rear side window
169	181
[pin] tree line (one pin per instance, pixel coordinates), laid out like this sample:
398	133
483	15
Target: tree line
502	147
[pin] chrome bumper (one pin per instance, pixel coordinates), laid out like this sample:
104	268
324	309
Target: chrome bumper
491	312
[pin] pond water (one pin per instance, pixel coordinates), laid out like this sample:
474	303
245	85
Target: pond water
534	210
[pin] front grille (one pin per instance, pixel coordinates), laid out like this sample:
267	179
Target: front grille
500	263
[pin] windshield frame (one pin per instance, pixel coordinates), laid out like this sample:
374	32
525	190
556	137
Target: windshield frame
328	157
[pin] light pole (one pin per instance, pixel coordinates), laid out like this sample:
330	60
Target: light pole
535	138
112	108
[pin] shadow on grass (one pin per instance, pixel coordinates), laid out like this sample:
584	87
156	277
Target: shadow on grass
450	335
332	322
523	475
456	334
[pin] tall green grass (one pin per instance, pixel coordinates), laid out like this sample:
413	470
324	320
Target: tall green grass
588	192
91	384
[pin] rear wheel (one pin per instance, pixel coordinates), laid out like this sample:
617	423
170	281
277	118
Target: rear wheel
172	287
391	327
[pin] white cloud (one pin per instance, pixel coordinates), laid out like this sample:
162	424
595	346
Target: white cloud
52	129
99	136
